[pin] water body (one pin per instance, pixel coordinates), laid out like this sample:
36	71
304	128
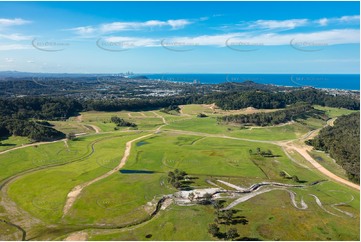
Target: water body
135	172
336	81
140	143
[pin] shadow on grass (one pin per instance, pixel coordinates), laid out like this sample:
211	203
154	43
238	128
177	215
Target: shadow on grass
248	239
5	145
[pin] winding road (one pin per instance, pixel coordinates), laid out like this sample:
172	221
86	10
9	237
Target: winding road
298	147
75	192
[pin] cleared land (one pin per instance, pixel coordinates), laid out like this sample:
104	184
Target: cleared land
36	181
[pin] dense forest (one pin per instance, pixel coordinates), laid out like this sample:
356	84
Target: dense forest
342	142
268	100
297	111
19	115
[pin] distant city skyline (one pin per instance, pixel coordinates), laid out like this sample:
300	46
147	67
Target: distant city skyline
180	37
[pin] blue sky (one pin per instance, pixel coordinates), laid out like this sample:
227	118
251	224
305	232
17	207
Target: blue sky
180	37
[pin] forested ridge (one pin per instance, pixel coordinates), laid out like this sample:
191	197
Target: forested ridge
18	115
297	111
342	142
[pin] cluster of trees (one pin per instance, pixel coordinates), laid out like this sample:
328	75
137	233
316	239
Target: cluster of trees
226	217
294	112
39	108
201	115
121	122
136	104
285	175
170	109
342	142
176	178
279	99
17	116
35	131
16	113
260	152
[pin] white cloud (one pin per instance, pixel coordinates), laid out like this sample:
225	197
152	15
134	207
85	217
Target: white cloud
324	38
122	26
15	37
179	23
126	26
278	24
5	47
354	19
12	22
86	30
322	21
9	60
128	42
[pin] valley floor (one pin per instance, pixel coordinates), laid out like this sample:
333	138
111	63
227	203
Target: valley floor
111	184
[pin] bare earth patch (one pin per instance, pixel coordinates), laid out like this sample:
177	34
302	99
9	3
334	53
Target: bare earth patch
78	236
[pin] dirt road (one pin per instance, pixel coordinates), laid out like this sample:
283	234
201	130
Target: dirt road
77	236
75	192
33	144
303	151
96	128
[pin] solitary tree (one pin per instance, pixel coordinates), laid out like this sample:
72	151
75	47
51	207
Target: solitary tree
269	152
282	174
217	206
295	178
232	233
228	215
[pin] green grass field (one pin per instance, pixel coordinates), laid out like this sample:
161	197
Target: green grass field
334	112
123	200
49	187
209	125
12	142
327	162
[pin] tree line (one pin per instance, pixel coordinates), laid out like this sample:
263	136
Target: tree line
297	111
16	114
342	142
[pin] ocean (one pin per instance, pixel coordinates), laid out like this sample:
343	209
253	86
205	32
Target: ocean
334	81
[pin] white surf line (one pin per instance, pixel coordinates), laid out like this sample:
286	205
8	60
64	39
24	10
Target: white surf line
241	189
75	192
319	203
